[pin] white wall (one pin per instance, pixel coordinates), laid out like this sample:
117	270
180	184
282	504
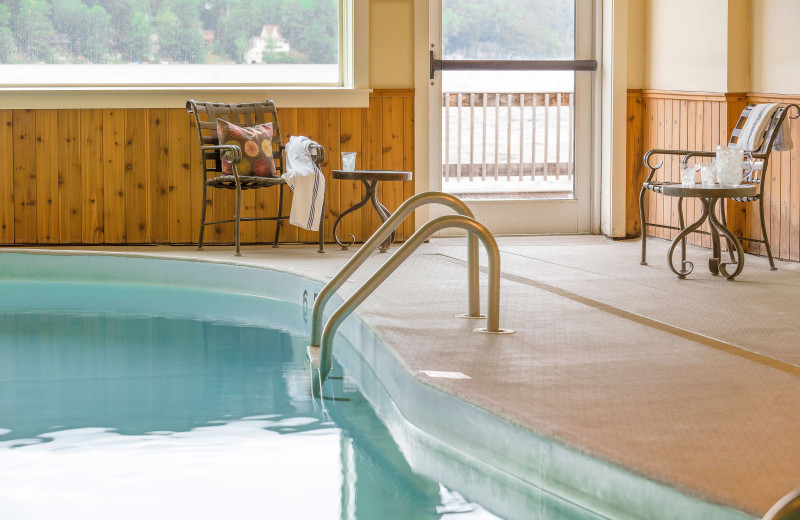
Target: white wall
775	66
686	45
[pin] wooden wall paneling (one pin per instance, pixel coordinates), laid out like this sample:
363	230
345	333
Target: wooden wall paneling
392	154
691	205
288	118
675	141
773	210
408	160
179	178
350	192
7	204
114	176
680	106
196	199
701	139
786	199
330	137
159	145
634	121
372	145
651	199
308	124
137	179
669	169
92	179
48	209
708	144
69	175
664	172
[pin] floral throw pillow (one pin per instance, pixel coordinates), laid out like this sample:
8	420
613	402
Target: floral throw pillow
256	145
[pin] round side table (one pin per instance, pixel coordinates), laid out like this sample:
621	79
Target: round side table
708	195
370	178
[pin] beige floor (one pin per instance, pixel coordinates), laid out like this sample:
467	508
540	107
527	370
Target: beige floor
693	383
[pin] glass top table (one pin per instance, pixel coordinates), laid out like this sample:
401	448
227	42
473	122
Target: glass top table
708	195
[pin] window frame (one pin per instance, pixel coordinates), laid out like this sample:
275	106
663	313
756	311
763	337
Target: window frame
352	90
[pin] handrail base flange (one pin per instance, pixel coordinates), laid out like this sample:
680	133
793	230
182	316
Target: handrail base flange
485	330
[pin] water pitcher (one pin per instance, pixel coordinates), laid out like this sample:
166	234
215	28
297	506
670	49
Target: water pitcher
730	163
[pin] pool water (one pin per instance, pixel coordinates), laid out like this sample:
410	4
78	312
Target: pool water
106	416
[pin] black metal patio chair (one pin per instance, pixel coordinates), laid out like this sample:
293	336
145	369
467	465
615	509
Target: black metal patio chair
222	162
755	176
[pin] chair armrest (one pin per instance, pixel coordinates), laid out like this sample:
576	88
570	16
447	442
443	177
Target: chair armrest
237	152
659	151
317	152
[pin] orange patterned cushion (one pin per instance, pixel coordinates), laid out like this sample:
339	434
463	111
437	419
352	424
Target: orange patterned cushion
256	145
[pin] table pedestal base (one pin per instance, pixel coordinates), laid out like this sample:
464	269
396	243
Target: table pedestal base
380	209
715	263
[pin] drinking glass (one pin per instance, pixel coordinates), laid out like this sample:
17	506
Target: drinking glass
348	161
708	174
688	175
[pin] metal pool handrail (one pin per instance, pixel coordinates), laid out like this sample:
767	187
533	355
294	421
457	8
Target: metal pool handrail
322	359
380	235
787	508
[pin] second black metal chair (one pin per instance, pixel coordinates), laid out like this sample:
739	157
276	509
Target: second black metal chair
755	176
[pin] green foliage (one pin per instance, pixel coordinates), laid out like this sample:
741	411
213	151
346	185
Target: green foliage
32	29
6	36
500	29
180	36
88	28
108	31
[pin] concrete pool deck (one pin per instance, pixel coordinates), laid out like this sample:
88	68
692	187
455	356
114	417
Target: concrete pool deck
691	383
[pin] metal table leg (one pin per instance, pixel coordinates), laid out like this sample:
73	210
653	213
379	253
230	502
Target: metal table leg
739	261
384	214
686	266
350	210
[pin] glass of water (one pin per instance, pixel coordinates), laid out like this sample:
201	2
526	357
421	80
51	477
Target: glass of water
708	174
348	161
688	175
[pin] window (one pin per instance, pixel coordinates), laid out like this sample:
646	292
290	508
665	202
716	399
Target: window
175	43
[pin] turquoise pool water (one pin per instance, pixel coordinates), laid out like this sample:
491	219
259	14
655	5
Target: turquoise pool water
139	387
106	416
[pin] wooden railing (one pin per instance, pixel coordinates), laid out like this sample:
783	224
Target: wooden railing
511	136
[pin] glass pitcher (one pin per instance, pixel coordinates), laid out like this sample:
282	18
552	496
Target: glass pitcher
729	163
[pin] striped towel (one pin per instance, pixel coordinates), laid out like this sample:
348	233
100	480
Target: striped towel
754	128
306	181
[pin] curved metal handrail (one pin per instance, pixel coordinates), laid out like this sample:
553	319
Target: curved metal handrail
378	238
323	360
787	508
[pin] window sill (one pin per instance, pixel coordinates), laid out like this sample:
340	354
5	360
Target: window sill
176	97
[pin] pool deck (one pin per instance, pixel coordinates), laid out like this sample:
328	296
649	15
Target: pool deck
691	383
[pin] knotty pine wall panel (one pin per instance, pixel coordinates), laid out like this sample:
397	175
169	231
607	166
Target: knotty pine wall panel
133	176
660	119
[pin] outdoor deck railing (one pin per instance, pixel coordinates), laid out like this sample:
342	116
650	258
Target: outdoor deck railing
491	136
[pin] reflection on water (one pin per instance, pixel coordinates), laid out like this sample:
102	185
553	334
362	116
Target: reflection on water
109	417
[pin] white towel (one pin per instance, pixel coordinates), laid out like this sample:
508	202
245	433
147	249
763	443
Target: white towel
752	134
307	183
783	141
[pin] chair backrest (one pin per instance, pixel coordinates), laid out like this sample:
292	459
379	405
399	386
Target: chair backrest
240	114
761	155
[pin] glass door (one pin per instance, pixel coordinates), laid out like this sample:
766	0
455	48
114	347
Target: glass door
514	111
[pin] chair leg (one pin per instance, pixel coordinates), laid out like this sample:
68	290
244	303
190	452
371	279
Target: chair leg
682	225
202	219
724	218
279	220
237	218
764	235
322	226
643	226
